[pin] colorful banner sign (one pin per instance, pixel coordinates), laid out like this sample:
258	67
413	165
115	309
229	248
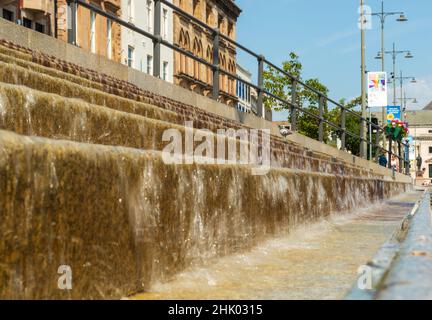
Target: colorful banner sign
393	112
377	89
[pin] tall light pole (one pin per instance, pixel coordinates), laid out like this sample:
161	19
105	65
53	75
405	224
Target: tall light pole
382	15
394	53
404	101
401	79
363	144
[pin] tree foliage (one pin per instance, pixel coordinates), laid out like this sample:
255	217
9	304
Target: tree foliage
281	86
352	123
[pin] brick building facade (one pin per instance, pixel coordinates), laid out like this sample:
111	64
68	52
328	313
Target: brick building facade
190	36
94	32
32	14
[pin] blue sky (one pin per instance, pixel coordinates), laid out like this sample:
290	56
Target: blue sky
326	36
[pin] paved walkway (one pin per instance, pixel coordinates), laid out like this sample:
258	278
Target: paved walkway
314	262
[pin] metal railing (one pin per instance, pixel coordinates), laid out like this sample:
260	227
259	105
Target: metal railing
322	99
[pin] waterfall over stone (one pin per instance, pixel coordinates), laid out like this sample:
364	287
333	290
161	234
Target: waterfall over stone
83	183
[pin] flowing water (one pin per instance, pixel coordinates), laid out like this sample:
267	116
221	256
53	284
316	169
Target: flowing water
315	262
83	183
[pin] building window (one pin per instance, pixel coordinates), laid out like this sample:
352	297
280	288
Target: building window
131	9
248	94
131	56
93	31
220	23
230	30
209	16
39	27
8	15
195	8
430	131
165	24
165	71
109	38
27	23
430	149
149	15
149	64
430	171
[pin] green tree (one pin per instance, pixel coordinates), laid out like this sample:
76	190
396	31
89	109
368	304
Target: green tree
281	85
307	124
352	123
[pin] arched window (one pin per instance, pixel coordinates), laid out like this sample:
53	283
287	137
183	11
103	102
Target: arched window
223	77
187	41
210	20
187	46
182	4
231	82
209	71
196	8
197	51
181	39
184	44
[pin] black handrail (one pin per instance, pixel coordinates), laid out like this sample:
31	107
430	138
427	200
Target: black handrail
217	35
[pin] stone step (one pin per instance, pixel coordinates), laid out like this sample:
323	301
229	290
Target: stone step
21	71
34	113
45	79
14	74
122	219
202	119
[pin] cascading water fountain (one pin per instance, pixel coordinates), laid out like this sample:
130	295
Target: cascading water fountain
82	183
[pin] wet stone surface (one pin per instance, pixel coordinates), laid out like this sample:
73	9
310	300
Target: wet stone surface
315	262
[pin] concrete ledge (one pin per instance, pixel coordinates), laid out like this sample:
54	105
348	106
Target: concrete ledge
402	268
51	46
410	277
383	259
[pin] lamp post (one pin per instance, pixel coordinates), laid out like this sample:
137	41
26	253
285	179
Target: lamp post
394	53
404	101
401	79
363	143
382	15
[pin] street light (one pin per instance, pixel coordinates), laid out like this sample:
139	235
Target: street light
409	55
363	142
402	18
404	101
382	16
381	56
401	79
394	53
